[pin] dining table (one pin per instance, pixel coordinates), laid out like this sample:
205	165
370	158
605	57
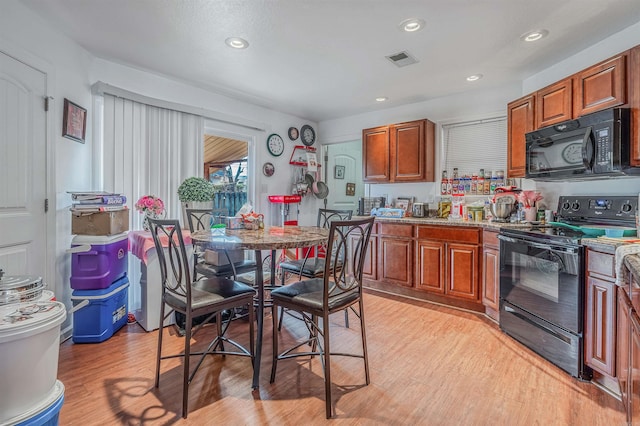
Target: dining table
270	238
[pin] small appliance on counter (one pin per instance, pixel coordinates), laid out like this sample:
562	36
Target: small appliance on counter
366	204
420	210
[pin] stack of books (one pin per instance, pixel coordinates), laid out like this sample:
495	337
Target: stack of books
97	201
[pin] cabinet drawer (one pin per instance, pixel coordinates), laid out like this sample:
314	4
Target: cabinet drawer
395	230
449	234
490	238
601	263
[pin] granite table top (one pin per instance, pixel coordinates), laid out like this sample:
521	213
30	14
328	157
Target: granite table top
270	238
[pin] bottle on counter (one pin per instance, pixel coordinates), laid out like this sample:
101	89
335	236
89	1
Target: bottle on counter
487	183
443	183
455	182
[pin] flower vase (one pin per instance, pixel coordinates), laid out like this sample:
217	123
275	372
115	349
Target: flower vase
149	214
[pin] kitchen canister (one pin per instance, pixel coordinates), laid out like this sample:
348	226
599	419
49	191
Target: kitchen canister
29	349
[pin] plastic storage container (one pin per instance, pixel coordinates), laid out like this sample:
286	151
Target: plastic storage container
98	261
103	312
29	350
46	413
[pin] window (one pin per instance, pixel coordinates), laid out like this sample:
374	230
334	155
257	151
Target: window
475	145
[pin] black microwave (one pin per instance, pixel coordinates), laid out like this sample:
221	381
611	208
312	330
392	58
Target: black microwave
591	146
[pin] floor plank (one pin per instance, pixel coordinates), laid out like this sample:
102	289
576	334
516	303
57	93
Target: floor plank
430	365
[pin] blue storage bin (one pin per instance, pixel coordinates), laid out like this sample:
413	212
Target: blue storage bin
103	312
45	413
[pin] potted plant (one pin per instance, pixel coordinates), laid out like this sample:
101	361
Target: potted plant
195	193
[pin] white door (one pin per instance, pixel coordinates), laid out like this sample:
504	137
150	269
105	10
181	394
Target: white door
348	157
22	168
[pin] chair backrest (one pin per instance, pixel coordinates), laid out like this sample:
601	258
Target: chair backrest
326	216
199	219
348	241
172	258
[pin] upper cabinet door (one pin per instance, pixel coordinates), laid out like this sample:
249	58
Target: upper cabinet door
407	147
600	86
521	120
554	103
375	154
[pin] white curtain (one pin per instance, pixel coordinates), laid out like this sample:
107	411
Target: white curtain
146	150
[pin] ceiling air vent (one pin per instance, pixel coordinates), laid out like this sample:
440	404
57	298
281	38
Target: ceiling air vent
402	59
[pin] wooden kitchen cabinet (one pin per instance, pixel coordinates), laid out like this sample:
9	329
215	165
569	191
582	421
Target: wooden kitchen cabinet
521	120
375	155
370	267
491	274
623	347
633	86
600	86
554	103
447	261
600	313
395	260
634	370
403	152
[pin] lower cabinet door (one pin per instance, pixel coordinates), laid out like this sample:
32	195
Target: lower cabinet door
430	266
491	278
600	325
396	263
623	346
634	366
462	271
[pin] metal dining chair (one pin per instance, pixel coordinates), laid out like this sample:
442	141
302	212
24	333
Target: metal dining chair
312	266
228	264
207	297
339	289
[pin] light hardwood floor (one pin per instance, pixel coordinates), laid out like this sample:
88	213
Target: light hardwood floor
430	365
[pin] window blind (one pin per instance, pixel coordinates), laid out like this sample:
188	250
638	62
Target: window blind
475	145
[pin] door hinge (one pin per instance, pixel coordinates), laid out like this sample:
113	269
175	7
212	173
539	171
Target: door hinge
46	104
46	205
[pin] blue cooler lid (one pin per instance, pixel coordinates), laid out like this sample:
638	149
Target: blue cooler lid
103	293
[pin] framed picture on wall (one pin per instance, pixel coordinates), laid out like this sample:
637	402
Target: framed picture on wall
338	173
74	121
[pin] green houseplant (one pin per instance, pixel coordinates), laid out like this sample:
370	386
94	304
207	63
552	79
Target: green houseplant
195	193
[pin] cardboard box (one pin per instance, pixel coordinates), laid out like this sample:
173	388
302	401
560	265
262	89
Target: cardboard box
218	258
100	223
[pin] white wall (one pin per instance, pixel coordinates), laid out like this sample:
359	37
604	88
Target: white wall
70	73
474	104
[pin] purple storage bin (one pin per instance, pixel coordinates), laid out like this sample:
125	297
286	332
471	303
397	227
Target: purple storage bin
98	261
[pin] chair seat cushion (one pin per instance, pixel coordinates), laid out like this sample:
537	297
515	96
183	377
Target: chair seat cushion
210	291
209	270
312	268
309	293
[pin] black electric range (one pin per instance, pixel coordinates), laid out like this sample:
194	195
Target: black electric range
542	278
582	210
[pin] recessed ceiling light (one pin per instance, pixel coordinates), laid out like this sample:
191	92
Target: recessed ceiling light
381	98
237	43
474	77
534	35
412	25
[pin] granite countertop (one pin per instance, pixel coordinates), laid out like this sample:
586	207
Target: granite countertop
632	262
496	226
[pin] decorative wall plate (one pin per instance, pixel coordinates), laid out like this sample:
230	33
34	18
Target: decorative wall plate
293	133
307	135
268	169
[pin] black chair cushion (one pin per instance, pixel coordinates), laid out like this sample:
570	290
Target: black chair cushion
312	268
208	291
309	293
210	270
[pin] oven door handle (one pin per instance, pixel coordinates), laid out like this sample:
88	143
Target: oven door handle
569	250
537	325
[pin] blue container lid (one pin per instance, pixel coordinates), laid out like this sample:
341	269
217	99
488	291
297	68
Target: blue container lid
44	414
102	293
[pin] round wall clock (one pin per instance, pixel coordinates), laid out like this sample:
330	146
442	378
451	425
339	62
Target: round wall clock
572	153
275	145
268	169
293	133
307	135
